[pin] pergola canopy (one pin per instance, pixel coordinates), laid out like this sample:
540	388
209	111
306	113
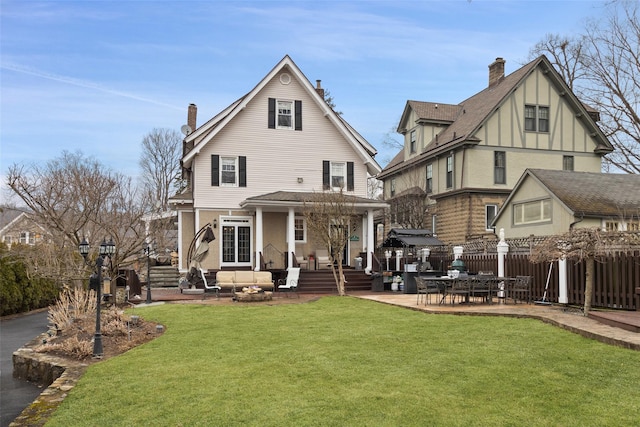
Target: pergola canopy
410	237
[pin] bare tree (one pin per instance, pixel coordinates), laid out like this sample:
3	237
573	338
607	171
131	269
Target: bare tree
75	197
602	66
329	216
613	62
584	244
410	205
160	164
565	54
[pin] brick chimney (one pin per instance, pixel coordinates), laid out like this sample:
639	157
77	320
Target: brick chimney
191	116
496	71
319	89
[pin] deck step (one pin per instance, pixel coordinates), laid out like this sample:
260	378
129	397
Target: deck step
163	276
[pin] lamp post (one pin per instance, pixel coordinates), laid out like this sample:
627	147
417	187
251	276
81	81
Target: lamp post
147	252
107	249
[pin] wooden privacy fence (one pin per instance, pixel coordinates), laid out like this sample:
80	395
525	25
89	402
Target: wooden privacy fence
616	276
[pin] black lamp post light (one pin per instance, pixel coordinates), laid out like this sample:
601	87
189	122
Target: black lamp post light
106	249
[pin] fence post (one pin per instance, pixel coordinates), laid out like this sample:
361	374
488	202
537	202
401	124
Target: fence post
563	297
503	249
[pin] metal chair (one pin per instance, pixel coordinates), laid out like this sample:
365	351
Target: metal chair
426	288
520	289
459	287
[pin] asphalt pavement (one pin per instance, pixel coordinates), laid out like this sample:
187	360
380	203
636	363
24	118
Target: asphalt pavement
15	332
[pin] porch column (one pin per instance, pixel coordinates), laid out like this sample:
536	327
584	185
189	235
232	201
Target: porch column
259	238
563	294
370	242
291	237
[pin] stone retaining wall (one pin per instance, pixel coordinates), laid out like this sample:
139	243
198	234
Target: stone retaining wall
59	375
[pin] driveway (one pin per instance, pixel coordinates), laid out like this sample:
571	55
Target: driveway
15	395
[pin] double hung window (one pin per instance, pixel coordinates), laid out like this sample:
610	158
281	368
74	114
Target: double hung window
450	171
500	167
285	109
567	163
412	141
228	171
536	118
429	178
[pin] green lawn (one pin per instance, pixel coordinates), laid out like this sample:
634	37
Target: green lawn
342	361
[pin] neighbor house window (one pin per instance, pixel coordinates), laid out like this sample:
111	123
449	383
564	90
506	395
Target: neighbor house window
612	225
434	223
300	229
429	186
532	212
228	171
412	141
536	118
633	225
27	238
567	163
543	119
450	171
490	212
500	167
392	189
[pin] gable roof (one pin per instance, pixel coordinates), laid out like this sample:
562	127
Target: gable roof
588	194
474	112
210	129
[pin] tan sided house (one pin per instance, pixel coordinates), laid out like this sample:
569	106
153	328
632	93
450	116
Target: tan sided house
250	169
549	202
463	160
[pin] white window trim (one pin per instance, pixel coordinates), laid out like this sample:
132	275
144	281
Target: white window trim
486	215
236	170
343	165
537	221
291	117
304	229
236	221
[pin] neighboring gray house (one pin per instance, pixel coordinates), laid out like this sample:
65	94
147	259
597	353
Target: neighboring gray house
17	226
548	202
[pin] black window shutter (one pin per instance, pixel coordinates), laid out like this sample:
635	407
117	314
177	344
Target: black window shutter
326	177
349	176
298	118
272	113
242	169
215	170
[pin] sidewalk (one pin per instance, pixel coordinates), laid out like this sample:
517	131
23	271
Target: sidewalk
566	318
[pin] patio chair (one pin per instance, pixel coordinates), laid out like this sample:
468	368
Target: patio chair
426	288
520	289
483	286
301	262
213	288
323	259
459	287
291	282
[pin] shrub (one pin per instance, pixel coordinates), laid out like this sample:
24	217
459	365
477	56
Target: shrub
18	291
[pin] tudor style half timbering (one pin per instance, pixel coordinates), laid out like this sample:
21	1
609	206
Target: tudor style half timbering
468	157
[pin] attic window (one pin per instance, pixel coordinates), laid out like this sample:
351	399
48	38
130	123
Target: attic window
532	212
536	118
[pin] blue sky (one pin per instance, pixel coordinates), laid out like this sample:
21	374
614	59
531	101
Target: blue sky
97	76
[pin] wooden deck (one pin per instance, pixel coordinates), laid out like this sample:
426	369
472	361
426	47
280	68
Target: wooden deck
628	320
